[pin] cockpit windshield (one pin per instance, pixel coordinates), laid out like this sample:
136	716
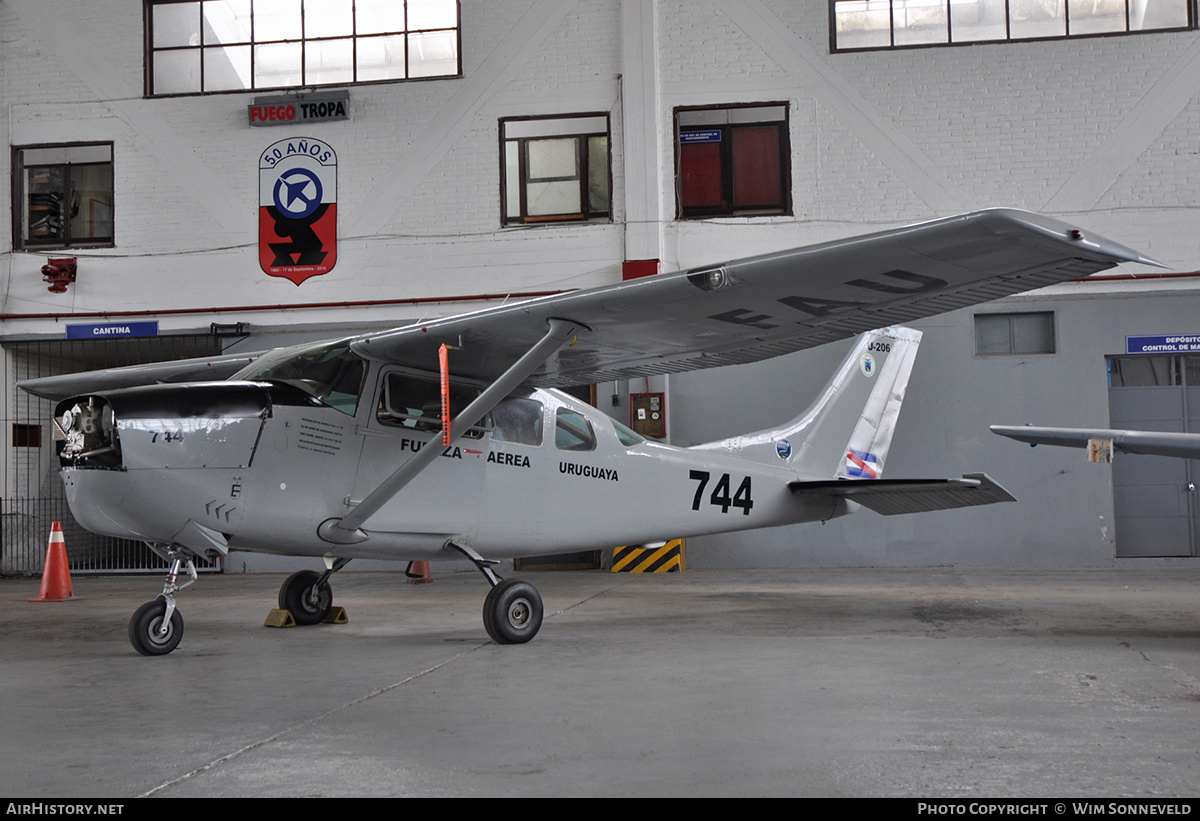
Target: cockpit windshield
328	371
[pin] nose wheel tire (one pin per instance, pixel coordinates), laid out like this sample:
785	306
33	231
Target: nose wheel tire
308	601
146	633
512	612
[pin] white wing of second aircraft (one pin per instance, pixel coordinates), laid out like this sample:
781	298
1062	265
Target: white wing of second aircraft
1150	443
738	311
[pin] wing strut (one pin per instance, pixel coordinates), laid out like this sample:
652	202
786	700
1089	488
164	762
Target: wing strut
347	530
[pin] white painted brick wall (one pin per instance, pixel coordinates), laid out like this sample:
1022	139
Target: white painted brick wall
419	162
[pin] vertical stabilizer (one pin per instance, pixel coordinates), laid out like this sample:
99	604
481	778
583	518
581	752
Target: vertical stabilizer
848	430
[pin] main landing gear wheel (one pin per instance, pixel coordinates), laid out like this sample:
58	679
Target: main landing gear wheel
146	632
512	612
307	597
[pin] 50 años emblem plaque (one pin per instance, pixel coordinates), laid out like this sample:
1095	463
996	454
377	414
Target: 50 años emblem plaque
297	209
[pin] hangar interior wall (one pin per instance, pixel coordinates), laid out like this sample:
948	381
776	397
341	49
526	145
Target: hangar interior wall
1100	131
1064	512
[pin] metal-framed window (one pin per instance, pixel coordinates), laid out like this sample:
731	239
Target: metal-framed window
211	46
25	435
555	169
1153	371
732	161
62	196
856	25
1014	334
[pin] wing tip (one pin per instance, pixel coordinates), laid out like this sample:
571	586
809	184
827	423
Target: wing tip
1060	230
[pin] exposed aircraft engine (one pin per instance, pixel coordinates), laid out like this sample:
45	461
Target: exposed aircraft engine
89	434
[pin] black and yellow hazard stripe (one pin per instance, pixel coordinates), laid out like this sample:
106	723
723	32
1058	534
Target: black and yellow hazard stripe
665	559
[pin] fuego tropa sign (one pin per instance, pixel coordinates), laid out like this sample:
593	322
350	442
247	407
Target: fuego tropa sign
297	209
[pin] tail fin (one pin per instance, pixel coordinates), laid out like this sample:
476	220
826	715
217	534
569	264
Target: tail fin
848	430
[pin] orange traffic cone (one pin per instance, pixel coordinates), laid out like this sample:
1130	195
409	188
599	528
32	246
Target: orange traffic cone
418	573
56	576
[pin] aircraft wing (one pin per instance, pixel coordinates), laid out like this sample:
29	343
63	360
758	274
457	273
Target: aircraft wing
891	497
1152	443
765	306
723	314
200	369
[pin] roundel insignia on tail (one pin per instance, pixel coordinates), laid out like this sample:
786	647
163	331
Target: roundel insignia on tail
867	364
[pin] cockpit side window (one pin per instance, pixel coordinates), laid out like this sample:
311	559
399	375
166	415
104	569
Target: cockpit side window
519	420
329	372
572	431
415	402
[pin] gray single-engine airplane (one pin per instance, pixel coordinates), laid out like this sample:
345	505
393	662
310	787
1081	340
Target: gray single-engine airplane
365	447
1145	442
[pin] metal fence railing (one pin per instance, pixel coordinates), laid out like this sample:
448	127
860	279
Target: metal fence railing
25	533
32	496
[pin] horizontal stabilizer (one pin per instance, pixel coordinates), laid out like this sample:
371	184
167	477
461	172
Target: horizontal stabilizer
1151	443
891	497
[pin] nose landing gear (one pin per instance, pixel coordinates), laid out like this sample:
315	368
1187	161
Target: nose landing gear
152	632
157	627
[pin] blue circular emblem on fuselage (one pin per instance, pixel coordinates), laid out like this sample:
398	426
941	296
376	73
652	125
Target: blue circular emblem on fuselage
783	448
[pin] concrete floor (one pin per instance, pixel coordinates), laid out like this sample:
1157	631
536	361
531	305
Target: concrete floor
924	682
